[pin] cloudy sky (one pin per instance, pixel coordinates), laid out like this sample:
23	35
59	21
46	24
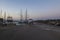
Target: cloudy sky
37	9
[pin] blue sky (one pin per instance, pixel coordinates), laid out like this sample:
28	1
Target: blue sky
37	9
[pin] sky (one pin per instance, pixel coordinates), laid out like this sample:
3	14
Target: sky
36	9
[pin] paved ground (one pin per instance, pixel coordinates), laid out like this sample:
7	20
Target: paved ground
29	32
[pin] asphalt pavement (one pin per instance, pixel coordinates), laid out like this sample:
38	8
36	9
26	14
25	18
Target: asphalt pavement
29	32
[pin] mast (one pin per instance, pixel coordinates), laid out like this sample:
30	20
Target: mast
26	15
1	14
21	16
4	16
